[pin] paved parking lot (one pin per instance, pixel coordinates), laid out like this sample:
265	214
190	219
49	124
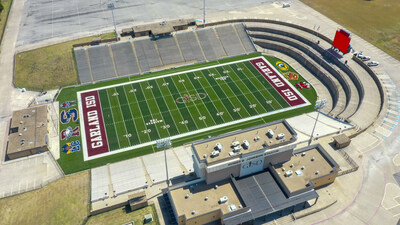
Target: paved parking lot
43	19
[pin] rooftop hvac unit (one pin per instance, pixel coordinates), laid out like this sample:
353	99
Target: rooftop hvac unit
223	200
288	173
231	153
237	148
214	153
280	136
270	133
246	144
232	207
299	172
313	159
218	146
235	143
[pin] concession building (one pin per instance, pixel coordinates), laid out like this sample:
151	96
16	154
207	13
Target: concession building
28	133
248	174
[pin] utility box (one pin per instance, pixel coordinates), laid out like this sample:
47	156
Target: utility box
148	218
341	141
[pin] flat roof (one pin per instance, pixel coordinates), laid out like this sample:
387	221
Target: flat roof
312	160
256	137
162	27
197	195
263	195
30	129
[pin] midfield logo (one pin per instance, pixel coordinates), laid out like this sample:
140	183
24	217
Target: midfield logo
191	98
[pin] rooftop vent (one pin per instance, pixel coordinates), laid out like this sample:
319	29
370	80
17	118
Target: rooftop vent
288	173
283	169
216	187
280	136
270	133
214	154
187	196
303	167
223	200
313	159
218	146
246	144
205	156
237	148
193	212
231	153
291	165
206	198
232	207
27	116
303	154
299	172
256	138
235	143
21	122
20	134
317	172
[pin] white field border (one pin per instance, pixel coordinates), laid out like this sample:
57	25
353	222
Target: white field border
83	134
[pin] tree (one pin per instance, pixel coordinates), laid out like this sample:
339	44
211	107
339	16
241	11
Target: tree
1	7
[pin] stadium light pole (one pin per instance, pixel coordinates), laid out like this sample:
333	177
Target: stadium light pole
111	6
319	104
164	144
204	13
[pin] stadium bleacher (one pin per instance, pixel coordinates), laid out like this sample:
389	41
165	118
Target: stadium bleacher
143	55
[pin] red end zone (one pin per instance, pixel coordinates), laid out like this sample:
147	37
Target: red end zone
96	138
278	82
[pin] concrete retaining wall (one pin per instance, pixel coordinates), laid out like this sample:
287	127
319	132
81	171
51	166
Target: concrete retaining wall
378	83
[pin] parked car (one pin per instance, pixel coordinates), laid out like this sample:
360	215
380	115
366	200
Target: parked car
359	54
365	58
373	63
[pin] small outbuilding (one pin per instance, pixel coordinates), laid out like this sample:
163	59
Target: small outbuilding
341	141
28	132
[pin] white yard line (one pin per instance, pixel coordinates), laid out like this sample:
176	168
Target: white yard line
139	117
243	93
112	115
149	111
191	132
173	118
195	105
255	78
202	130
204	101
130	111
220	100
234	96
159	111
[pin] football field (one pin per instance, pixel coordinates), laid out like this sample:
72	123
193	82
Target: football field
131	115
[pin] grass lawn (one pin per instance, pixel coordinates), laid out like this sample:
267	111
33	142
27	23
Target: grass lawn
376	21
74	162
3	16
122	216
65	201
49	67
